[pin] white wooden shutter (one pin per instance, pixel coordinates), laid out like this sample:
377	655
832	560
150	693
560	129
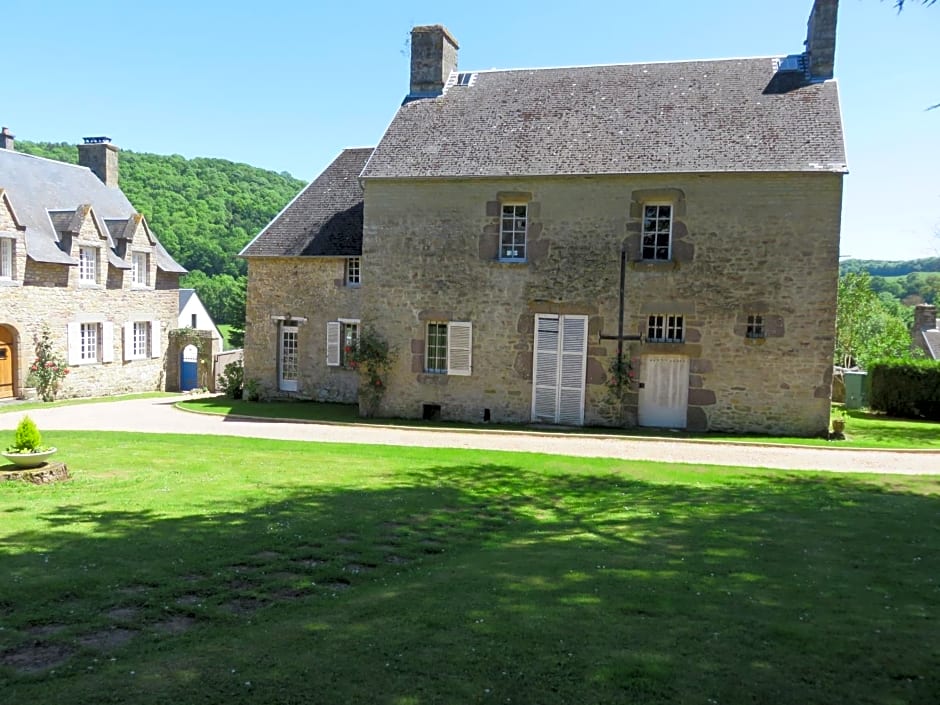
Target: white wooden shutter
74	335
545	369
573	369
459	347
155	340
129	340
107	342
332	343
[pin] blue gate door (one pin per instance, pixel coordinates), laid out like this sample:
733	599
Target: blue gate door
189	368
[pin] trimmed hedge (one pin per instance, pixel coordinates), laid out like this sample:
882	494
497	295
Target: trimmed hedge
908	388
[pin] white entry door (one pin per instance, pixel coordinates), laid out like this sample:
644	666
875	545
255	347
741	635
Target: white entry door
559	366
287	359
664	391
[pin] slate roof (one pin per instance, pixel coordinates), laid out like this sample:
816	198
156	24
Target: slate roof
931	339
323	220
46	194
729	115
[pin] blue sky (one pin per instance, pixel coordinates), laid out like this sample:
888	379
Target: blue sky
287	85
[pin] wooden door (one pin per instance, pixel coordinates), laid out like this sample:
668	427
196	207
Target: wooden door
7	360
664	391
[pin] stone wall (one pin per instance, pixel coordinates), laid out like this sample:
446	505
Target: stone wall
743	244
311	291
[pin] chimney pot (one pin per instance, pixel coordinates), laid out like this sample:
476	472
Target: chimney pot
6	139
433	58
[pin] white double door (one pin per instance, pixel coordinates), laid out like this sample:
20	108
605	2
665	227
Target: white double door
559	366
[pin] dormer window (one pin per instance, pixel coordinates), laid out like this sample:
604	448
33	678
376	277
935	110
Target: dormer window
88	265
6	258
140	269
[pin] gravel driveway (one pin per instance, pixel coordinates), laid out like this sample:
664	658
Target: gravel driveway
158	415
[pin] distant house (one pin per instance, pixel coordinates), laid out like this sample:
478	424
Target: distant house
304	287
193	314
925	334
76	257
650	244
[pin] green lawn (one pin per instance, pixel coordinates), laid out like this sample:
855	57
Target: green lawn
18	406
225	330
863	429
180	569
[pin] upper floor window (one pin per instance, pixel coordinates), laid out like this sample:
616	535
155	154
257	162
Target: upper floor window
512	232
353	271
88	264
6	258
665	328
657	232
140	269
755	326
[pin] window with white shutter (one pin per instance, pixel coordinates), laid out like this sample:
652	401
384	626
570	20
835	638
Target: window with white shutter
459	347
333	331
449	348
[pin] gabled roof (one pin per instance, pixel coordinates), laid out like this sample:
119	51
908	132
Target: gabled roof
323	220
729	115
43	190
931	339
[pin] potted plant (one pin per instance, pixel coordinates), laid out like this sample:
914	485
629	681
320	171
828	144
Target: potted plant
30	389
27	450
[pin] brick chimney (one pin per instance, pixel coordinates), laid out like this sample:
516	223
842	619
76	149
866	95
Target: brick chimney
925	317
6	139
99	155
433	57
821	39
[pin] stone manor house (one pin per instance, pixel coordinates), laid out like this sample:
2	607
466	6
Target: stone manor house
78	259
649	244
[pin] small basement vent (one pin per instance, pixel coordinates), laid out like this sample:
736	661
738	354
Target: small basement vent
795	63
460	79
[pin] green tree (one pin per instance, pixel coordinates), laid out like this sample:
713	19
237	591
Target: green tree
867	326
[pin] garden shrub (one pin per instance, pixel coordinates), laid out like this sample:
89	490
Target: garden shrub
906	388
232	380
27	438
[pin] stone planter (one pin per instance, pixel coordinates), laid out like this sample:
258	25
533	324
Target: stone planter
29	393
30	460
838	426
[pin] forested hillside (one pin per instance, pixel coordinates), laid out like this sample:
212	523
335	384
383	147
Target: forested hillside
203	210
911	282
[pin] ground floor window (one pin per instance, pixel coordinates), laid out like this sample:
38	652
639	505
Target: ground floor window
90	339
755	327
665	328
448	348
342	339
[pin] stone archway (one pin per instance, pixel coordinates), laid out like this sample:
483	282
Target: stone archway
180	339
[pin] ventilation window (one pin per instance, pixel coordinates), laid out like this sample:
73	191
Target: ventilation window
463	79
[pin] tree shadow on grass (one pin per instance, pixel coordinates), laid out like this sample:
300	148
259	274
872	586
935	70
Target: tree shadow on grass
486	583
